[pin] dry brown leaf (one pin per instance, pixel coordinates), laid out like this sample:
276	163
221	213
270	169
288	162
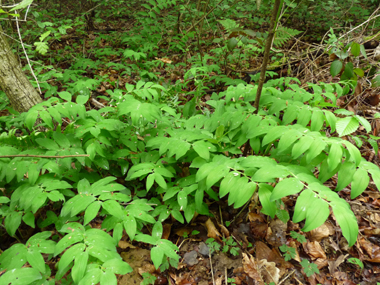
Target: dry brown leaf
277	235
183	231
314	250
253	217
374	232
224	230
212	232
264	252
164	60
166	231
320	262
250	268
124	244
334	264
269	271
293	244
371	249
321	232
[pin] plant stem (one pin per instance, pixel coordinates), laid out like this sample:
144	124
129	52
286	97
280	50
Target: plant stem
268	45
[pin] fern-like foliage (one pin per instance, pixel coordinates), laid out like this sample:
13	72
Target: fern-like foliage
283	34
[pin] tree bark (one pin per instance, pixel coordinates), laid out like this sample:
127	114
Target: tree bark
13	81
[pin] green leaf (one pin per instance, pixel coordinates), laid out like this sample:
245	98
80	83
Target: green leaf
31	118
4	200
203	149
130	226
304	116
317	213
335	68
65	95
219	132
157	230
92	277
245	194
345	175
301	146
61	139
315	149
160	180
36	260
146	238
362	50
364	122
67	241
47	143
288	139
12	222
13	257
232	43
117	266
273	134
346	220
45	116
228	183
68	257
91	212
331	120
82	99
359	183
79	268
355	154
150	181
107	278
269	207
23	4
216	174
20	276
182	199
157	255
335	156
28	219
348	71
270	172
317	120
309	268
355	49
287	186
113	208
375	83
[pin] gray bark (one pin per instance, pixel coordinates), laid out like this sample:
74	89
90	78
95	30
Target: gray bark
13	81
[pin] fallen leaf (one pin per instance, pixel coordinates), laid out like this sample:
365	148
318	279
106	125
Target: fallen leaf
321	232
212	232
124	244
250	268
314	250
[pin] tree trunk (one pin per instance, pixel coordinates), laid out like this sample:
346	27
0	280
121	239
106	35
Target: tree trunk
13	81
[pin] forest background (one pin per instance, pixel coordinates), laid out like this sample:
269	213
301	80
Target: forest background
189	142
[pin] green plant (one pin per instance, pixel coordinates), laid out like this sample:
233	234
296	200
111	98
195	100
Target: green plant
299	237
213	245
289	252
309	268
356	261
231	281
230	245
148	278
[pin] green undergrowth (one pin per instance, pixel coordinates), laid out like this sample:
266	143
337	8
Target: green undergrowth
140	161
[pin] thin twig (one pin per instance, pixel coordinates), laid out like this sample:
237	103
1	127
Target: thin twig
26	55
204	16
